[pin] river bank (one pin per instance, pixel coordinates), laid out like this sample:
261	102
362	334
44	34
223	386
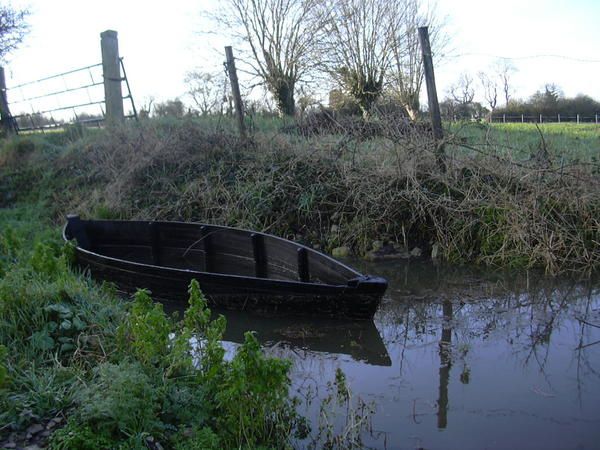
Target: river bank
535	206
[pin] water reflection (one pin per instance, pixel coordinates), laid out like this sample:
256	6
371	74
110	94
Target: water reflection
358	339
456	359
445	364
518	343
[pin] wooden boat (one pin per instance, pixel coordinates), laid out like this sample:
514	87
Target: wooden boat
236	269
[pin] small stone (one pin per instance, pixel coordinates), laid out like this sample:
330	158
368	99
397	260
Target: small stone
340	252
416	252
335	228
9	445
34	429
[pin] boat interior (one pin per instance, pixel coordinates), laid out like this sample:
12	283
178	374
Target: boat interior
207	248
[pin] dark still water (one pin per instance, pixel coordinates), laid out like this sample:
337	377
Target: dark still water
453	360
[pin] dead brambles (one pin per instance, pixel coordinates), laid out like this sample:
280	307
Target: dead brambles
339	189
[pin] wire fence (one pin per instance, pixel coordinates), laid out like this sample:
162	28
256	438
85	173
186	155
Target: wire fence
75	96
542	118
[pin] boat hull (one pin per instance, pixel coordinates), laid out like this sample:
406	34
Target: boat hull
357	298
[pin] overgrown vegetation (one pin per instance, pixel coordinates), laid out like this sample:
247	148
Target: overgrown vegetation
517	198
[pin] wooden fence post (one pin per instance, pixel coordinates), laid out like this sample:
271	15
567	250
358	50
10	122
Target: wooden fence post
434	106
111	70
6	120
235	90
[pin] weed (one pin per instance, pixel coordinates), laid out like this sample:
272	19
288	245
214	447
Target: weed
197	439
367	180
121	400
75	436
253	398
355	414
146	330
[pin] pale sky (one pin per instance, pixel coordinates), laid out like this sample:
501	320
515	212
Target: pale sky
162	40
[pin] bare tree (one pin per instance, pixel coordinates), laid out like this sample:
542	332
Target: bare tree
490	91
460	104
505	69
281	39
462	92
206	90
13	28
146	108
407	73
358	36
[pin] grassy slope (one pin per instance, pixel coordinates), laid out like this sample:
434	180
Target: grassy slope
508	198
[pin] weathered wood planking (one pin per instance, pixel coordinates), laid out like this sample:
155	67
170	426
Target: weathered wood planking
236	269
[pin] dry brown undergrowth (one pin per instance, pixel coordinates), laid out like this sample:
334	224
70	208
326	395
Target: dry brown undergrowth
347	189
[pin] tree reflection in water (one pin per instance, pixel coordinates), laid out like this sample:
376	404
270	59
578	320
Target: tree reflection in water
527	348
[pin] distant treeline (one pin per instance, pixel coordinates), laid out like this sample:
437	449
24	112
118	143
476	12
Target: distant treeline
552	102
549	101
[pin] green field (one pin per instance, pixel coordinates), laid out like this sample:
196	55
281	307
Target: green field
564	141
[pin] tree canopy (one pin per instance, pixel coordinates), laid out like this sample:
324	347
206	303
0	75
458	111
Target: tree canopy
13	28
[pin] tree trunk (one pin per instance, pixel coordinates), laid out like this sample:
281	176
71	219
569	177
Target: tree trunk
284	96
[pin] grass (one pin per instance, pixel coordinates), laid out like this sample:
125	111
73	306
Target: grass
564	141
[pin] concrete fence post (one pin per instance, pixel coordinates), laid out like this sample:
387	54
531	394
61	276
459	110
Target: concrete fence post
577	118
111	70
6	120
